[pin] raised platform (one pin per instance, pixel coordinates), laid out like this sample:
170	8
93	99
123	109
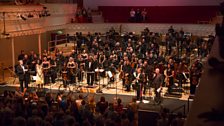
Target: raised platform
115	88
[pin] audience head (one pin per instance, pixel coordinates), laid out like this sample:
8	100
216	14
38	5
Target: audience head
102	99
157	70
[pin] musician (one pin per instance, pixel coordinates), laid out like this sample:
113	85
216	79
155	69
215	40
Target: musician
194	78
157	84
64	73
46	67
21	74
53	69
127	72
96	63
27	75
39	74
72	66
102	59
45	53
84	56
90	68
73	54
112	69
179	75
169	77
26	60
60	60
139	79
147	73
26	64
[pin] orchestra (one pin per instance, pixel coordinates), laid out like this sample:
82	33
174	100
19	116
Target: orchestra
140	65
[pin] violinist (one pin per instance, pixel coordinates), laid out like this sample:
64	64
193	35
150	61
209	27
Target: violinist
127	75
169	80
195	74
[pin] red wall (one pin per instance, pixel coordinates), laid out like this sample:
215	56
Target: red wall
162	14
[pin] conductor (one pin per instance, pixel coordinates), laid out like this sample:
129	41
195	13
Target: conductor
157	85
20	69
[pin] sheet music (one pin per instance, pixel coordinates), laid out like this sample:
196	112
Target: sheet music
159	89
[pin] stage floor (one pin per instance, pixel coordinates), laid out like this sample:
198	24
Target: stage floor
109	92
111	88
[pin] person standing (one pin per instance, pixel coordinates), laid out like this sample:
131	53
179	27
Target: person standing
71	66
194	78
39	74
169	78
90	68
144	15
132	15
127	78
21	74
138	17
53	70
157	85
46	68
139	78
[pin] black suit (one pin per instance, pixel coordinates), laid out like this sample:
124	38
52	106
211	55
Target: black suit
127	79
139	84
157	83
21	75
90	68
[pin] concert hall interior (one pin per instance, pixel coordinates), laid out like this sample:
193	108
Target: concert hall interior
111	62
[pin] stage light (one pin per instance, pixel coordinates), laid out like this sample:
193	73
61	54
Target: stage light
30	15
22	17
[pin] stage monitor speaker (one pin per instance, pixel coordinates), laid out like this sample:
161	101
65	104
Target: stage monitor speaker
147	118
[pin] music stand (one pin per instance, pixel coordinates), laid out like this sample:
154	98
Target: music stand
99	89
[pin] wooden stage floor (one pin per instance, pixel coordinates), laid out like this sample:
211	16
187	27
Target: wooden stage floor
113	88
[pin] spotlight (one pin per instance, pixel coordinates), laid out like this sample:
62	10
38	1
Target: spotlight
22	17
30	15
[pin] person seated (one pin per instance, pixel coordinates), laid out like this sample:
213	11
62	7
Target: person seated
102	105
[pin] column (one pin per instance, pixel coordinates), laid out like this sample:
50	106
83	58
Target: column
13	53
39	45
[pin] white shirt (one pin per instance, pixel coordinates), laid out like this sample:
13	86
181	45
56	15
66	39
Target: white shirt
23	68
89	64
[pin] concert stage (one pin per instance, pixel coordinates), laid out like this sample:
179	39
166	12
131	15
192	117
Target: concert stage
109	91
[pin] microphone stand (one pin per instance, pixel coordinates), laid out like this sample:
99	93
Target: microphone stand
115	78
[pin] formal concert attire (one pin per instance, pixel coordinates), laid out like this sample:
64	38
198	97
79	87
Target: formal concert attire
127	78
170	79
21	74
53	70
90	68
194	79
71	72
139	83
45	66
157	83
